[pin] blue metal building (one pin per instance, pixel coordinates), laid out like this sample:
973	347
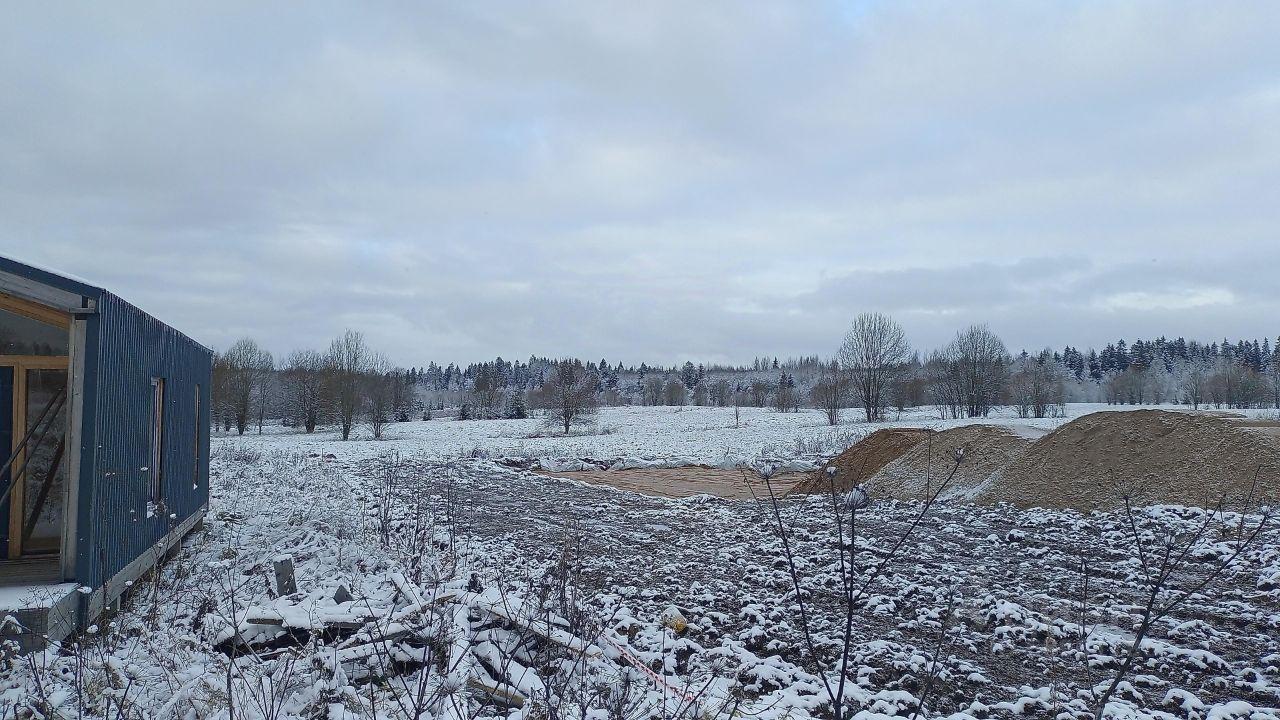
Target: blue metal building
104	418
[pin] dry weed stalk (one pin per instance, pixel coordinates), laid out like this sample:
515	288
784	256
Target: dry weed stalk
1163	555
844	514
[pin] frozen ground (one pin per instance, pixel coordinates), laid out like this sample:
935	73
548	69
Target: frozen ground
626	437
371	515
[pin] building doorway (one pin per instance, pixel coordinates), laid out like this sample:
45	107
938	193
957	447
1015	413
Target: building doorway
34	412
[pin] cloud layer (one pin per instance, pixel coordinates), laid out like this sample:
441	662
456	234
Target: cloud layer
652	181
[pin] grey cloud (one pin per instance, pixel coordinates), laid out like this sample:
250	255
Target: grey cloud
653	181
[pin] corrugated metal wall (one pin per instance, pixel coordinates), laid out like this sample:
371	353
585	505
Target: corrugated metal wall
126	349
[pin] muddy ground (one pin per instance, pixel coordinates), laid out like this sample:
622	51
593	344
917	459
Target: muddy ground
686	482
1012	576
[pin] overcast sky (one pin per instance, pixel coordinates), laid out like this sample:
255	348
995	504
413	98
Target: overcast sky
650	181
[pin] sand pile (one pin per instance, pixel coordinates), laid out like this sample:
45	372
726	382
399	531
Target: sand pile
1154	455
863	459
919	472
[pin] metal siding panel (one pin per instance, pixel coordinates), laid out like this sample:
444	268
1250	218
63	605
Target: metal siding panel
133	348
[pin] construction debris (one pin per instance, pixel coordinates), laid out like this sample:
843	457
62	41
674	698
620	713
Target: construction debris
285	583
493	644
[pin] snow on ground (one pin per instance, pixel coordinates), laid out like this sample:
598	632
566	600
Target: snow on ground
624	437
987	599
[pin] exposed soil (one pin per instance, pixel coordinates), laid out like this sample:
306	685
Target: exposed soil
686	481
1015	576
1153	456
919	471
863	459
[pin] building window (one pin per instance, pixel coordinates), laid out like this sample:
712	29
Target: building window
157	440
195	466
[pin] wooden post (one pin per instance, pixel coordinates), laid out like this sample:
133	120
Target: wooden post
285	584
342	595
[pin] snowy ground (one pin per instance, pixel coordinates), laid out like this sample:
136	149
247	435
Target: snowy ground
640	436
608	565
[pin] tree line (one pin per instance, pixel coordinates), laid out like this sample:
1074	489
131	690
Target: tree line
344	385
874	370
351	384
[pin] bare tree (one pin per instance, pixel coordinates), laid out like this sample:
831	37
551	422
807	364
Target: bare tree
246	366
1237	386
304	373
569	393
347	363
1036	389
720	391
402	396
653	387
908	387
221	410
874	349
701	394
1273	368
1194	386
266	388
378	386
970	372
944	385
674	393
830	391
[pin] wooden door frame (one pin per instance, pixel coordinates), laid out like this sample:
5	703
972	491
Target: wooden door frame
17	499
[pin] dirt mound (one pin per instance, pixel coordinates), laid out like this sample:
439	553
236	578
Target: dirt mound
919	471
1153	455
863	459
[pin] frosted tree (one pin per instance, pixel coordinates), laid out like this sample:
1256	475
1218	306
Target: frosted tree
247	367
346	364
874	349
568	394
304	387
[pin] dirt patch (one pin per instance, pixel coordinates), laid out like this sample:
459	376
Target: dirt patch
1154	455
918	472
863	459
686	481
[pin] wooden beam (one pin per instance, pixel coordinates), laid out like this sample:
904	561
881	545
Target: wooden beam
35	311
501	692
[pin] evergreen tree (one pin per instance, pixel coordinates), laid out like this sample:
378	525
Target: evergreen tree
517	409
689	375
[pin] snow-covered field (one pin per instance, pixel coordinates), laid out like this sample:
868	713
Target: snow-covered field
638	436
468	566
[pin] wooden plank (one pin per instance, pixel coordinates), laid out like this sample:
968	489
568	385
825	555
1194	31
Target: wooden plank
317	619
29	571
501	692
544	630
